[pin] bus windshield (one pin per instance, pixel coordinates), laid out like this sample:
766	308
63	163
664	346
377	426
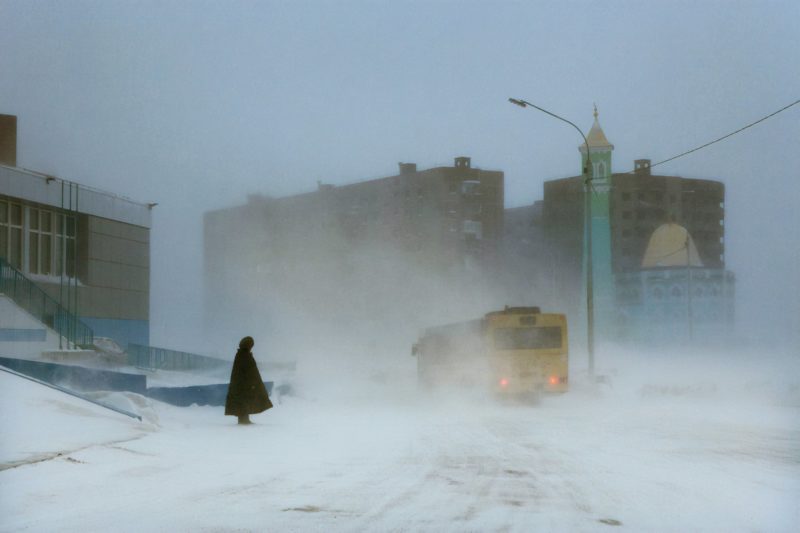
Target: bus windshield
527	338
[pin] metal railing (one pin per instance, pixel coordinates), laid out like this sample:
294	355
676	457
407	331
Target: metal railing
29	296
153	358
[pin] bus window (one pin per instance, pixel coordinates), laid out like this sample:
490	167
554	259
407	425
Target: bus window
527	338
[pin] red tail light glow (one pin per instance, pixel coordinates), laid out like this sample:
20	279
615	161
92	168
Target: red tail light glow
504	382
553	380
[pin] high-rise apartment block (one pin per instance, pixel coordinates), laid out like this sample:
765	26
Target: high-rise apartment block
433	222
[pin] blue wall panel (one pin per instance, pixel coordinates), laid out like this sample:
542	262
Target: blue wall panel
122	331
214	395
23	335
77	377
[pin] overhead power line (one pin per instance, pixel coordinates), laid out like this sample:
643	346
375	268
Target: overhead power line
762	119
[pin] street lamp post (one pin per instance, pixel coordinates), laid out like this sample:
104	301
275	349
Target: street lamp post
689	288
587	187
689	310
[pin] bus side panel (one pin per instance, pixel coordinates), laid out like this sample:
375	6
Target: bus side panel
452	355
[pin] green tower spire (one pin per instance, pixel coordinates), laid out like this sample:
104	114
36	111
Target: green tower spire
602	276
600	150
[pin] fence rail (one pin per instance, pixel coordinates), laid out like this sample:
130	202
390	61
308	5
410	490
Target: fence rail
43	307
153	358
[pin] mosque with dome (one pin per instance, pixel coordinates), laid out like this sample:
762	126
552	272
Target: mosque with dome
674	297
658	251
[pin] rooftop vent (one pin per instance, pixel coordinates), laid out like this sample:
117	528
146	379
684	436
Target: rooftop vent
642	167
8	140
463	162
408	168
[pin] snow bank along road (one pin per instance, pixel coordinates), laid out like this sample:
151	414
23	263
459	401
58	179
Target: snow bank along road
651	449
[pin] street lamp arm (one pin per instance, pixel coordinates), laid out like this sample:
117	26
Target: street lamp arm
587	183
525	103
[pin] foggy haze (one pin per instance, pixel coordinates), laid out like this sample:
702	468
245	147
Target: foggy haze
202	105
194	105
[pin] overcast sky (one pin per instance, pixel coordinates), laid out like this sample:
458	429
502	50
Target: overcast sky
196	104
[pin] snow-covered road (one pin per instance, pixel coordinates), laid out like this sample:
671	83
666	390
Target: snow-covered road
653	448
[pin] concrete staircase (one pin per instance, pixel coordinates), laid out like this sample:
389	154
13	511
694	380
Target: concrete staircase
21	334
31	322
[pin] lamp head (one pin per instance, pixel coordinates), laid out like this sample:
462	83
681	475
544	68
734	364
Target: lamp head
518	102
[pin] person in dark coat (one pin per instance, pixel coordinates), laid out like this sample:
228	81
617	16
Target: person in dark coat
247	394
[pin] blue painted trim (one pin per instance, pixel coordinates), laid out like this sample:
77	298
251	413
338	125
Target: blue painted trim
124	332
213	395
77	377
22	335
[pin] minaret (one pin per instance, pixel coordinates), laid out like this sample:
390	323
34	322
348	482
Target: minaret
602	276
600	150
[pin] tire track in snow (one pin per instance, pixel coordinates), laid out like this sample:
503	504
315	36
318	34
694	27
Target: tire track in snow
483	469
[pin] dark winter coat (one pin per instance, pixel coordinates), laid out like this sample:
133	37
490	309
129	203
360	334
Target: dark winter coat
247	394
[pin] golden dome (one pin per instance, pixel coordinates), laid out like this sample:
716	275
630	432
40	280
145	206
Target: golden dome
671	246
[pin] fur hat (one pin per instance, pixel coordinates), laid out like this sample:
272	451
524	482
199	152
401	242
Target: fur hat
246	343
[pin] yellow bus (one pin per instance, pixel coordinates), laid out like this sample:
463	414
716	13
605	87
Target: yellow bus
514	352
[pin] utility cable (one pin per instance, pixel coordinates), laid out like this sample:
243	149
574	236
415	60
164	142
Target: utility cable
762	119
681	249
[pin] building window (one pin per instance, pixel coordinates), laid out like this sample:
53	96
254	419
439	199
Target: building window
11	233
626	215
50	245
66	234
626	196
601	170
473	209
658	293
677	292
33	241
473	228
470	187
